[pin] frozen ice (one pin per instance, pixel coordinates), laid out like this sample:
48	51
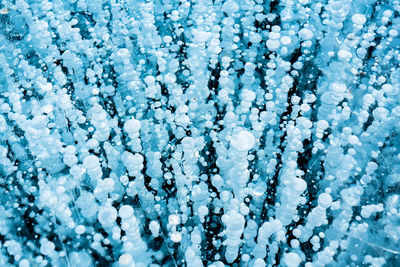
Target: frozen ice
199	133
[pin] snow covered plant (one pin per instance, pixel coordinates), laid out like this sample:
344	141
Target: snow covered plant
199	133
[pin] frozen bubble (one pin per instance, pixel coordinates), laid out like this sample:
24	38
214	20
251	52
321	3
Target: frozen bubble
154	227
371	167
80	229
306	34
167	39
24	263
273	45
249	67
230	7
107	215
274	35
359	19
286	40
259	263
125	212
123	53
324	200
291	259
47	109
380	113
368	99
344	54
276	28
126	260
322	124
201	36
176	237
243	141
299	185
81	259
132	126
149	80
174	219
338	87
353	140
70	150
393	33
203	210
92	143
235	221
248	95
39	122
255	38
387	88
91	162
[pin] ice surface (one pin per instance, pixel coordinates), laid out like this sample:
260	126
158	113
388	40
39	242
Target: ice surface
199	133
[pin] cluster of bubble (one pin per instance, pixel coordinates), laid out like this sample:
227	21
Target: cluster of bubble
199	133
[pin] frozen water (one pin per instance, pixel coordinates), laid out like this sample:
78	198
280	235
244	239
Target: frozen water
199	133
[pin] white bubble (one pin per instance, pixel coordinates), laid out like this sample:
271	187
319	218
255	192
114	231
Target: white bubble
324	200
299	185
393	33
201	36
123	53
248	95
286	40
387	88
70	150
322	124
259	263
359	19
230	7
243	141
338	87
306	34
291	259
274	35
273	45
353	140
344	54
126	260
125	212
176	237
154	227
91	162
167	39
203	210
132	126
24	263
174	219
80	229
39	122
107	215
149	80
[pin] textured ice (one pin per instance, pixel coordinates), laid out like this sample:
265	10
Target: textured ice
199	133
